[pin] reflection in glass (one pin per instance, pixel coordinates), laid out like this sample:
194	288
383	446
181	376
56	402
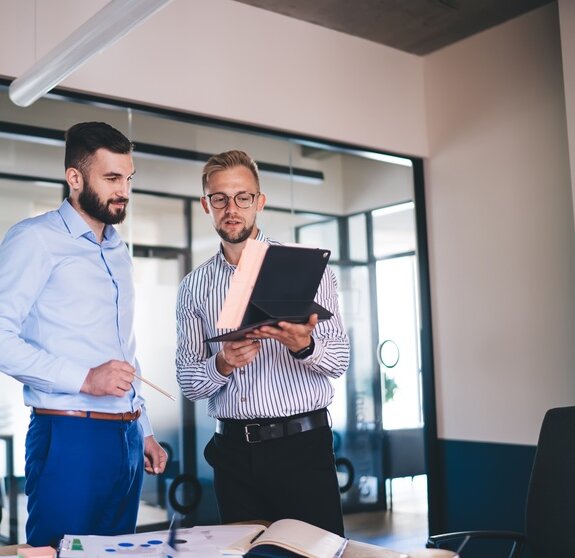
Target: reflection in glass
205	241
154	221
324	234
357	229
156	283
23	199
356	306
20	200
394	230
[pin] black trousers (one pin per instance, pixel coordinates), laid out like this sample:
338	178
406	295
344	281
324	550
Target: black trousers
291	477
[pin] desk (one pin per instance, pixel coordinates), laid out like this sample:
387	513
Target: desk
12	549
355	549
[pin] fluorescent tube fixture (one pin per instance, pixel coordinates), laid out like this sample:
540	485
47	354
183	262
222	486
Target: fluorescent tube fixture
317	150
108	25
383	158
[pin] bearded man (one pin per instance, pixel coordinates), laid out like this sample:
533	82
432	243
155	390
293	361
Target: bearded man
67	334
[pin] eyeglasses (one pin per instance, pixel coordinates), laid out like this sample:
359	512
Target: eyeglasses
243	200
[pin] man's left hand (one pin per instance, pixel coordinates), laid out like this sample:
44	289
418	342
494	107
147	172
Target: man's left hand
155	456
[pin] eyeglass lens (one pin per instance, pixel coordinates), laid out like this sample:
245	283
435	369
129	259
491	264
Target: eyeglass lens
243	200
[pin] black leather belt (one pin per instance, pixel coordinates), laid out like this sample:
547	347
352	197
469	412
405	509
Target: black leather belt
261	430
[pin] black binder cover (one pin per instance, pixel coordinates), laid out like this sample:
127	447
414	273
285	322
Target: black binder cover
284	289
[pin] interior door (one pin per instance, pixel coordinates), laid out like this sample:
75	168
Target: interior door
156	281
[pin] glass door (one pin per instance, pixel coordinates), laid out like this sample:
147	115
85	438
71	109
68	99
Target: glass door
398	354
156	231
398	347
398	315
156	281
356	408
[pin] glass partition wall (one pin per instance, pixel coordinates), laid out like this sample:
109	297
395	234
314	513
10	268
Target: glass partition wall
325	195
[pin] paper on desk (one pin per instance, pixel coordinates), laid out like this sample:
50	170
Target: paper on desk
194	542
366	550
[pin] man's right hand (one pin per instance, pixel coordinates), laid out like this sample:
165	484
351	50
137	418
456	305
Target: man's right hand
114	377
235	354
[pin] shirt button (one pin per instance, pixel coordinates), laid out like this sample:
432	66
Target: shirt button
242	371
243	399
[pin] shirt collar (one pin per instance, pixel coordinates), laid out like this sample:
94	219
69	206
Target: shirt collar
78	227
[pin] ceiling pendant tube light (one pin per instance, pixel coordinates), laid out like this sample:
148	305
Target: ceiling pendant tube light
108	25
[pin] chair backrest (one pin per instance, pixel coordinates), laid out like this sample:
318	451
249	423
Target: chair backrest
550	509
403	453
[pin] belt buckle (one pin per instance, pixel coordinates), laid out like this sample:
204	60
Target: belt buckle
248	434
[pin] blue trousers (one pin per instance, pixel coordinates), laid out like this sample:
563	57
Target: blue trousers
83	477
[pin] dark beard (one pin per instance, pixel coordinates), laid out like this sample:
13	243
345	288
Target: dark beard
243	235
91	204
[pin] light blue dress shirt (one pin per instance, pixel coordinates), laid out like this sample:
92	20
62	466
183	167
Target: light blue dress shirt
66	305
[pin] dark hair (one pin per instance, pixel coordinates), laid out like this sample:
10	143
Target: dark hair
229	160
85	138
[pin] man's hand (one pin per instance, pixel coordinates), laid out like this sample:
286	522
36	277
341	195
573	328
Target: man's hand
235	354
114	377
155	456
294	336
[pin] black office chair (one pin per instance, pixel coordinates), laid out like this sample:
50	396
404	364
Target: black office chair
403	455
550	507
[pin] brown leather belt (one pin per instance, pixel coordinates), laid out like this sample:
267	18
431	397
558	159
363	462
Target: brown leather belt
125	417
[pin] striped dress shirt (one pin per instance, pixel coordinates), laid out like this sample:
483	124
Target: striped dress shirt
274	384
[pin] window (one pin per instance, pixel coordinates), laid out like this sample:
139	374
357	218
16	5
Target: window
332	196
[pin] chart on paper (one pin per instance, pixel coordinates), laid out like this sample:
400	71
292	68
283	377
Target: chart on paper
194	542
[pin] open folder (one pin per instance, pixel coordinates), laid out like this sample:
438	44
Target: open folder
272	283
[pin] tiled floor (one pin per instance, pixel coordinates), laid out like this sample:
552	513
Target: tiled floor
403	529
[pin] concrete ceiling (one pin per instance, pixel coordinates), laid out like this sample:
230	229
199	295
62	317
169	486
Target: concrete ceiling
414	26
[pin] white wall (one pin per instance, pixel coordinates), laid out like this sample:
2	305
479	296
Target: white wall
223	58
501	231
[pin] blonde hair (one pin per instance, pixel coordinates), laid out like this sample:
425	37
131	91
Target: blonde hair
229	160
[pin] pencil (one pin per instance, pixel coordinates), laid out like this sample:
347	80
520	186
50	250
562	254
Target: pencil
155	387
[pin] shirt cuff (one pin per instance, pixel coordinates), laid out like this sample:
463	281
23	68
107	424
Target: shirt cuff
213	374
317	355
145	423
70	379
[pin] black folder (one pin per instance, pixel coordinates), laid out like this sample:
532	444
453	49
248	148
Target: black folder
284	289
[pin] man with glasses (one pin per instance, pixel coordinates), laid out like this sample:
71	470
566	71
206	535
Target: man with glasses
272	452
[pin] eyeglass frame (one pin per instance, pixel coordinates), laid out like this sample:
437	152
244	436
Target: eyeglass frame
228	198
